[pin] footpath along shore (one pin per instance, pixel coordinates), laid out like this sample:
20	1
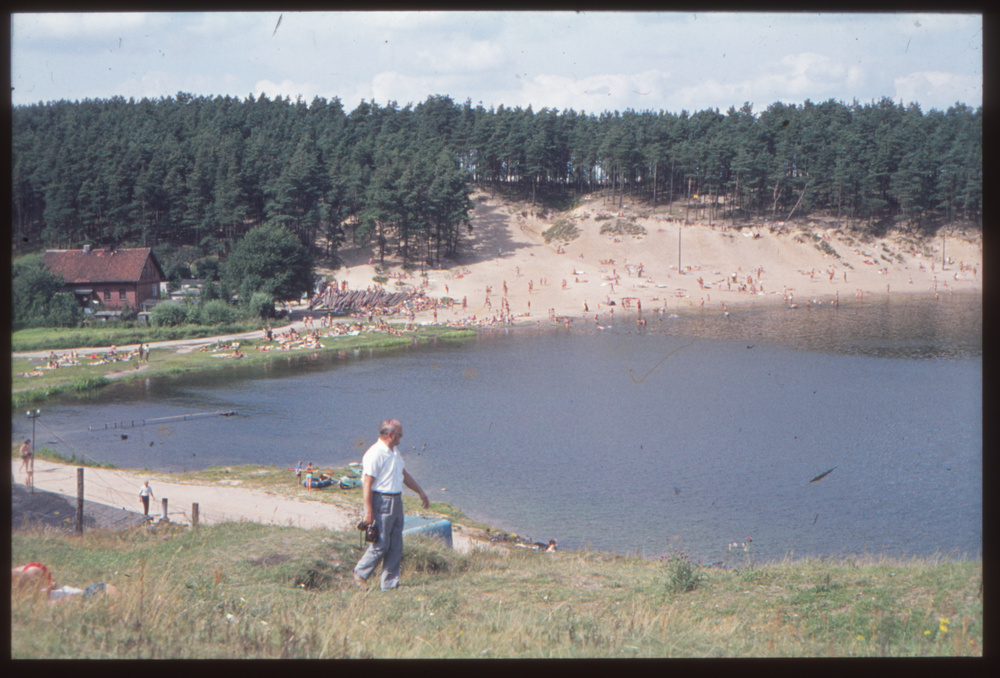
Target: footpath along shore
217	503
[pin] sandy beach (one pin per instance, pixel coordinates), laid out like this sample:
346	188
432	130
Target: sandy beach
217	503
667	266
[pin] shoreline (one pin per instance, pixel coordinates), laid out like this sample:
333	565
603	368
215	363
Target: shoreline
225	501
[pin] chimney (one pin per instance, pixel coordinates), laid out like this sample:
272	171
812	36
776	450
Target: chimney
86	249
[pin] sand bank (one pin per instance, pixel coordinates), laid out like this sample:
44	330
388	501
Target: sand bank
646	260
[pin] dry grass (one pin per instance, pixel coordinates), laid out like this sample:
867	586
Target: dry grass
246	590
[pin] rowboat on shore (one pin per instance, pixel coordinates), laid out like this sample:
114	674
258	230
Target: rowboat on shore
348	482
317	484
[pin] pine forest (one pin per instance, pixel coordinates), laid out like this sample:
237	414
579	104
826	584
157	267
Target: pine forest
202	171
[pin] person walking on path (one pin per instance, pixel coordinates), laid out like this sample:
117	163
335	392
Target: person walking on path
26	454
384	475
145	492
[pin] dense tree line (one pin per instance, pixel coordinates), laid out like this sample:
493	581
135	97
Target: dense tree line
204	171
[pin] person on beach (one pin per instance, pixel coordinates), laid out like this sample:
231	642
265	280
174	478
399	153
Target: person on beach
26	456
35	578
298	473
145	492
383	477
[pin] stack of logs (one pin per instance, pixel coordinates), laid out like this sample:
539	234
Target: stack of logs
331	299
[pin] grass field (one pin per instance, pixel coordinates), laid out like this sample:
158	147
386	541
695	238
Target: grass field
239	590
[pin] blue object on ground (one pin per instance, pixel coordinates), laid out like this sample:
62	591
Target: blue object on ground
432	527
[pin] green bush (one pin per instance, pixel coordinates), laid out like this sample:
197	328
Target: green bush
261	305
168	314
63	311
682	574
216	312
563	230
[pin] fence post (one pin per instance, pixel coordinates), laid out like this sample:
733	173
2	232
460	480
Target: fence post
79	500
164	519
194	515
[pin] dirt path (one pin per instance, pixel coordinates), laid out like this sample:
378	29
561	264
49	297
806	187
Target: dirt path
217	502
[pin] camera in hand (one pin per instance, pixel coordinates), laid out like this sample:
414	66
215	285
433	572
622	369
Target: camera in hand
371	531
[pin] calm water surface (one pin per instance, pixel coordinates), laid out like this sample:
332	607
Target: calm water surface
694	433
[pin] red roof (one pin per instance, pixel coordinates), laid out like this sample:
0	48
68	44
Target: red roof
103	266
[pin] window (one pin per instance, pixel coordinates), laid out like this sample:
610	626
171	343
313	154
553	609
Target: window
122	295
107	295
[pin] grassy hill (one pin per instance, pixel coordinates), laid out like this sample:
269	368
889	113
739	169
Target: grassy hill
239	590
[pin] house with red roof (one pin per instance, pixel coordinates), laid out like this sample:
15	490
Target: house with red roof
113	277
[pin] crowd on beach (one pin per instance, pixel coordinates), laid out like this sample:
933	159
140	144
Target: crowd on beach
56	361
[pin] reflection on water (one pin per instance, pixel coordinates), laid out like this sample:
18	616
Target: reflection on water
700	430
905	326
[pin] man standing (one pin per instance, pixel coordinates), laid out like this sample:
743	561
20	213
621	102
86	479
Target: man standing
382	483
145	492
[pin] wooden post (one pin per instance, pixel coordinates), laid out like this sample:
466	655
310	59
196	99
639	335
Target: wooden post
79	501
194	515
679	270
164	519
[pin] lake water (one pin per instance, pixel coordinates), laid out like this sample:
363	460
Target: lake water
691	433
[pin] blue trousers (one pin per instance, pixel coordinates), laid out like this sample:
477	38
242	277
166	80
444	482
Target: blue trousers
388	548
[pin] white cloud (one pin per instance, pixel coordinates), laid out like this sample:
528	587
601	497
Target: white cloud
289	88
809	71
936	89
596	93
714	94
855	77
587	61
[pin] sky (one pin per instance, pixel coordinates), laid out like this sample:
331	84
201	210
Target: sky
589	62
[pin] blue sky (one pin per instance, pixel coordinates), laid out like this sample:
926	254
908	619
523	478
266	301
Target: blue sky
585	61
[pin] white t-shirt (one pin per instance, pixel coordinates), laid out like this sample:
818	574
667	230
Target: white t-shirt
385	466
145	490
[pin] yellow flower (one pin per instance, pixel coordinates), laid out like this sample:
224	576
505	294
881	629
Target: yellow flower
927	633
944	624
860	637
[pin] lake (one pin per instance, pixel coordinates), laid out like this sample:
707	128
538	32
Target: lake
691	433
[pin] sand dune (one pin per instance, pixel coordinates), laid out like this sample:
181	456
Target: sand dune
683	267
